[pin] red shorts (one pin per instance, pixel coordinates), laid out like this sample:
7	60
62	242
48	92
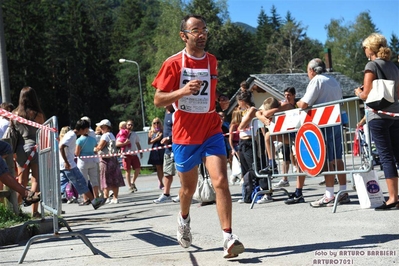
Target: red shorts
131	162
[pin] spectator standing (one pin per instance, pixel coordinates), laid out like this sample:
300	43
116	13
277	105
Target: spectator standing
93	134
110	172
234	139
384	128
169	168
188	80
131	161
123	135
28	108
321	89
89	167
63	180
68	167
155	136
5	123
91	131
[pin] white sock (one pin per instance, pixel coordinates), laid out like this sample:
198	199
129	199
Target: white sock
226	235
329	192
342	187
185	220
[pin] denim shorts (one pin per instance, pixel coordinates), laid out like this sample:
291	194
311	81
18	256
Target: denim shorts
333	138
77	179
189	156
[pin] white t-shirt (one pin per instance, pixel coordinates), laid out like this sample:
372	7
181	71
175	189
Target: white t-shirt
69	140
134	138
322	89
107	137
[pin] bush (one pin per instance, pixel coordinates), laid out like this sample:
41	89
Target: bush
9	218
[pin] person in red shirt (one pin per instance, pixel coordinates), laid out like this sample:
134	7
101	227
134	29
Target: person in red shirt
188	80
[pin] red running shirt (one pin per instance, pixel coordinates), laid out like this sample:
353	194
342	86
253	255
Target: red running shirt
195	119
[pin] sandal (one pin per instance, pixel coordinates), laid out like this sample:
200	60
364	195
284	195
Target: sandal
87	202
32	197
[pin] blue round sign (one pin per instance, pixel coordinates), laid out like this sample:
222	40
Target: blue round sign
310	149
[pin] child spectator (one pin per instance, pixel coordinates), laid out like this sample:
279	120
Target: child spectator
123	135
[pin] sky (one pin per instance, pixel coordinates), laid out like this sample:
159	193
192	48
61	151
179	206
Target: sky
316	14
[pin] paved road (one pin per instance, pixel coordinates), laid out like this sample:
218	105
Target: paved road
138	232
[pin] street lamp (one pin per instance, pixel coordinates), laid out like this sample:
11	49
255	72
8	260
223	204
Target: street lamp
141	91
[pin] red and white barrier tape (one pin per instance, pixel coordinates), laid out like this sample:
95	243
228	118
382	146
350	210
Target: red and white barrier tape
385	113
124	153
139	151
22	120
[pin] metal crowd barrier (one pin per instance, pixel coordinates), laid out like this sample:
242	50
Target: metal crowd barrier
49	172
289	137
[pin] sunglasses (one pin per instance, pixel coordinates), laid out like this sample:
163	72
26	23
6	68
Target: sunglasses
156	123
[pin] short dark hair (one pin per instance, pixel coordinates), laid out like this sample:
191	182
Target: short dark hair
183	23
82	124
290	90
245	96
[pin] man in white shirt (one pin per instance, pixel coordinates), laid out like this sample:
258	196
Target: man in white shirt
68	167
131	161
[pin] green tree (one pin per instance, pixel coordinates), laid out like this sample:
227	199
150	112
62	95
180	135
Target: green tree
345	44
394	45
264	31
132	35
287	47
238	58
165	42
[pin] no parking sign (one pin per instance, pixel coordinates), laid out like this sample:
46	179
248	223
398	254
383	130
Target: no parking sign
310	149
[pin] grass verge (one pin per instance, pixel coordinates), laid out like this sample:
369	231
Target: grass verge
8	218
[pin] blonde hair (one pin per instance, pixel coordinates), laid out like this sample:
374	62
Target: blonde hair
98	130
270	103
156	119
122	124
236	117
378	44
63	131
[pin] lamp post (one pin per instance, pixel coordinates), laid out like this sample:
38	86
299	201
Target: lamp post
141	91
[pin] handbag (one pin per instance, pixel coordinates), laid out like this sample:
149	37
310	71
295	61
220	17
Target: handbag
368	190
236	166
382	93
13	135
205	191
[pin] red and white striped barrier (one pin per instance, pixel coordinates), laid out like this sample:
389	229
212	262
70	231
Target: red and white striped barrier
291	120
288	122
321	116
